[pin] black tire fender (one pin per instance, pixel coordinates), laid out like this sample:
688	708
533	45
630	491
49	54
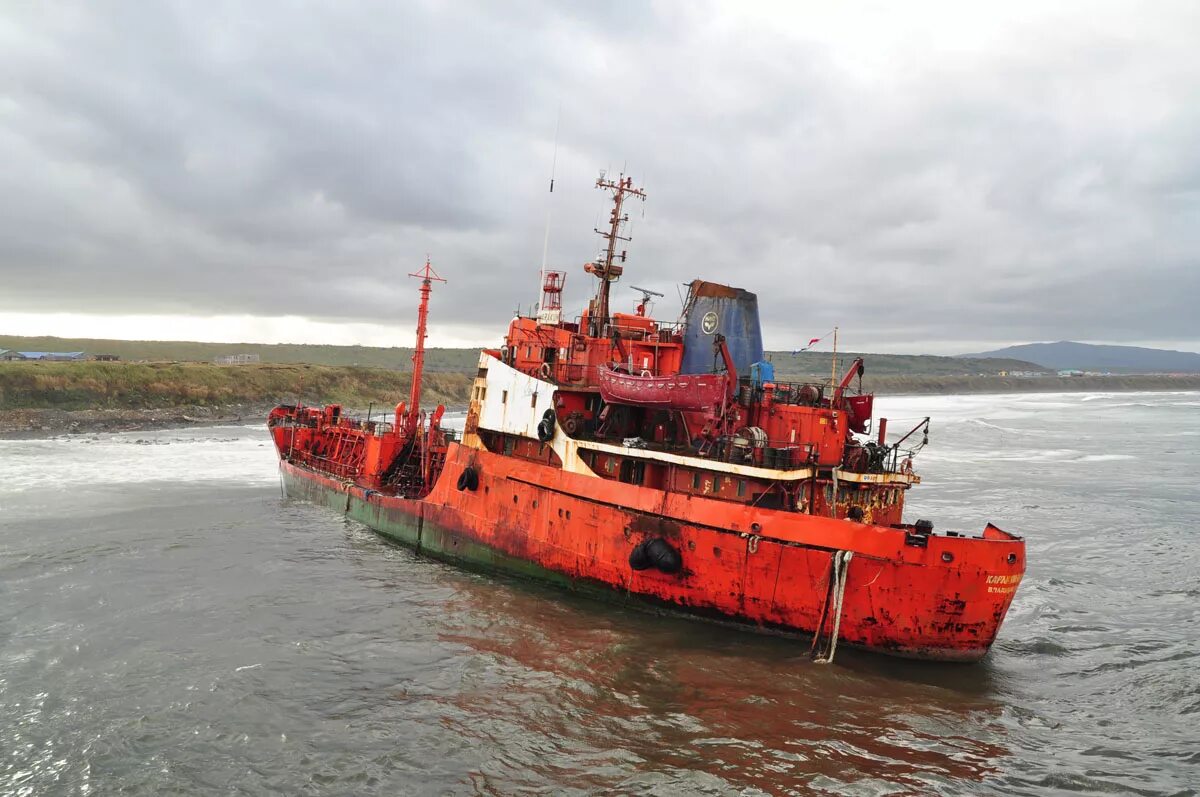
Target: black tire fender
545	429
638	560
657	553
468	479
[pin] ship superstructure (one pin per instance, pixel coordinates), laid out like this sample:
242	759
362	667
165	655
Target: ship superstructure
663	463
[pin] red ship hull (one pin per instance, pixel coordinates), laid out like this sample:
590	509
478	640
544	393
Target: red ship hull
937	597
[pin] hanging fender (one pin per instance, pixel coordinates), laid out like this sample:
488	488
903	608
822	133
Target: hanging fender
545	429
468	479
657	553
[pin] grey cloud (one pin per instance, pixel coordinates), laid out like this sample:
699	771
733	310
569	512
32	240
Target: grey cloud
276	160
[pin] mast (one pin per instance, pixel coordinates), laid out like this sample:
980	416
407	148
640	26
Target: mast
607	270
427	276
549	206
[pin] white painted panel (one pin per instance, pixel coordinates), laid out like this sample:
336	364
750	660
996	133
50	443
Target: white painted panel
515	402
510	406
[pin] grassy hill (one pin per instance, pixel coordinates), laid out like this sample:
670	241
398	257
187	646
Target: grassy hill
395	358
102	385
808	365
801	366
58	387
181	374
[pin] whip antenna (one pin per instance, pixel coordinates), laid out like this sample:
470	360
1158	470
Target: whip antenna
549	207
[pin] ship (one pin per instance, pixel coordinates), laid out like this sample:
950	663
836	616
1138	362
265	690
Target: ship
661	465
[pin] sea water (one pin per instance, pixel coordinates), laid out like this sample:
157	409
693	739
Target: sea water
169	624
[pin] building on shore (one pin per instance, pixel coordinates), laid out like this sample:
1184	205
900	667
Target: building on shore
51	356
237	359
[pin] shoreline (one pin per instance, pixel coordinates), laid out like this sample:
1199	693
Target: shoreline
40	422
17	424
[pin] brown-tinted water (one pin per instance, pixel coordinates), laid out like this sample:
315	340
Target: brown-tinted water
170	625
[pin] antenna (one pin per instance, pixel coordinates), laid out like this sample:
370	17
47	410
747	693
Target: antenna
549	205
644	306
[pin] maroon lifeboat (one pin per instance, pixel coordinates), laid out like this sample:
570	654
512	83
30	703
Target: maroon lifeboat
683	392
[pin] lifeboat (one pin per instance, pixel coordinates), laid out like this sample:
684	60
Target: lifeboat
681	392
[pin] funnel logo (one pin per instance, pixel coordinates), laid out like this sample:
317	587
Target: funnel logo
709	323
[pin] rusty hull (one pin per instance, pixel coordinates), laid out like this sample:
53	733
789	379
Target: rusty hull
937	597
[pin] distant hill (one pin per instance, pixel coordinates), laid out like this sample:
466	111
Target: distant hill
395	358
812	364
1068	355
799	367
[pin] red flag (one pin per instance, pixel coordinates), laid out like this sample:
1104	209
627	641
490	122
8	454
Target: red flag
814	340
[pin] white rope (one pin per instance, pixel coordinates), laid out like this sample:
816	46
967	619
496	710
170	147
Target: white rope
833	503
841	568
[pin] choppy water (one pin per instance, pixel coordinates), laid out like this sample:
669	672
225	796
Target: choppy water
169	625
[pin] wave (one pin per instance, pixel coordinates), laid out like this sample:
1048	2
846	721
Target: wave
1064	455
70	461
986	425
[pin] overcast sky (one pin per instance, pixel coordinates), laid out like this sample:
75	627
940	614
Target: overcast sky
931	178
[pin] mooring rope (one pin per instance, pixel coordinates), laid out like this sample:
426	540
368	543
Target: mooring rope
841	569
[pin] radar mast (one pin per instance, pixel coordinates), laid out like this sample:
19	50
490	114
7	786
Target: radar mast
609	267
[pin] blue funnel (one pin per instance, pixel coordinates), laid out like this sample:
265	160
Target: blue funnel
714	309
